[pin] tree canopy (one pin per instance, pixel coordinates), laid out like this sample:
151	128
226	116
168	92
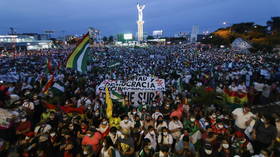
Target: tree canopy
263	38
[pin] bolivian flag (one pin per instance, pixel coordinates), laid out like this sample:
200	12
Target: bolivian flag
109	109
66	109
78	58
48	85
236	97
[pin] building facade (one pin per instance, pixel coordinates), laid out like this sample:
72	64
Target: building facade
30	41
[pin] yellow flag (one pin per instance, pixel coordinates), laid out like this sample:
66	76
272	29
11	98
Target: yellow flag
109	109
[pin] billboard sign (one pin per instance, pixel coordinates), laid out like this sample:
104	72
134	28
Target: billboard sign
128	36
157	33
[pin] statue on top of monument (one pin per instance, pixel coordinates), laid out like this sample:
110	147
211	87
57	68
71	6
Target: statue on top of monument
140	11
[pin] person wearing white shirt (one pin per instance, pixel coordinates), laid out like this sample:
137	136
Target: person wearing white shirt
83	101
258	86
28	105
151	135
126	123
219	88
159	124
242	88
104	126
156	114
134	113
175	127
233	87
199	84
188	78
26	86
165	138
42	129
243	117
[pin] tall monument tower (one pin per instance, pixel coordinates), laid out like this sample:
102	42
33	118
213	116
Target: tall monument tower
195	31
140	21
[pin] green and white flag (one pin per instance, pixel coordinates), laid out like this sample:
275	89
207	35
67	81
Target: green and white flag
117	96
58	88
114	64
78	58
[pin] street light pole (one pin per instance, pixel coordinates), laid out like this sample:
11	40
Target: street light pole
227	23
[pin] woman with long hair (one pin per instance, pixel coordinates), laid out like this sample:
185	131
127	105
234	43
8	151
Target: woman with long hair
107	149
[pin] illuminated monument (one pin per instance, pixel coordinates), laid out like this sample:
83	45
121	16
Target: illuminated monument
140	21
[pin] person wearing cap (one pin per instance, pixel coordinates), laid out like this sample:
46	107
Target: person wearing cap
125	144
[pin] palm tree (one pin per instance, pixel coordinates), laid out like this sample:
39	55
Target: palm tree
206	98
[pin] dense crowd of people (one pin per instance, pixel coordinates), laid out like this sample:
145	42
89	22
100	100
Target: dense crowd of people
174	125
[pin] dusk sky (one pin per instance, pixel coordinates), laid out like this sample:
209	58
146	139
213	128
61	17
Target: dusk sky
119	16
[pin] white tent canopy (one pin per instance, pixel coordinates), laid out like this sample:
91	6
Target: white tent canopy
239	43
